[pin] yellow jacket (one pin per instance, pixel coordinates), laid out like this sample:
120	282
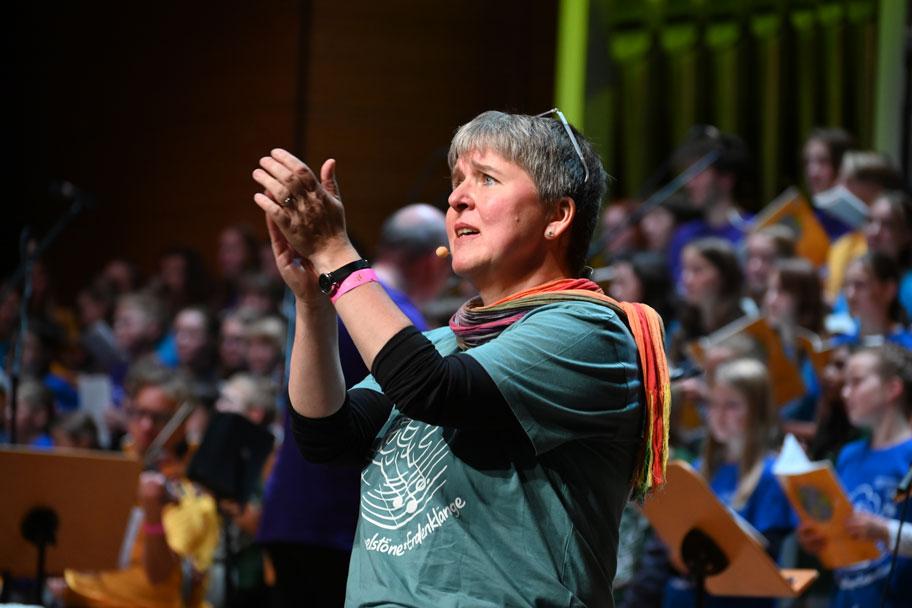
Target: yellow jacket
191	530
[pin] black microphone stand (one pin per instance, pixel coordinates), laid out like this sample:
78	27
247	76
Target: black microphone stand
902	491
19	339
24	273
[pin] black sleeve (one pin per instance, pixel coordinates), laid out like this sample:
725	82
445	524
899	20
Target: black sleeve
453	391
346	436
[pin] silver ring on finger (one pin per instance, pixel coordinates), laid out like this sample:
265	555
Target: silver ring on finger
288	202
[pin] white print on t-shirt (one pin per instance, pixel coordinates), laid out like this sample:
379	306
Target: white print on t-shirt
876	497
424	528
410	463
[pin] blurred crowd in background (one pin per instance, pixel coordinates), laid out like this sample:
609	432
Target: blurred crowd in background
774	321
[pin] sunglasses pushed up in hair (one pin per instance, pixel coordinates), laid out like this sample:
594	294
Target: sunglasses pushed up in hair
576	146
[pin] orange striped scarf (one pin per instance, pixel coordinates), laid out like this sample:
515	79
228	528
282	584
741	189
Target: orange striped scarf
475	324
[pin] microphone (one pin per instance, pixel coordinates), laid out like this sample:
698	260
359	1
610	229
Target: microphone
902	490
61	188
68	191
442	252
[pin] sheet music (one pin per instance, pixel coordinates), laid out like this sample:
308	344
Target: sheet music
95	396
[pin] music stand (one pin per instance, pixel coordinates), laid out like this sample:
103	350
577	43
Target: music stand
229	463
705	540
229	460
63	509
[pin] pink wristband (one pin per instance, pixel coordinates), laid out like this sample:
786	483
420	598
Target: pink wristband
156	529
355	279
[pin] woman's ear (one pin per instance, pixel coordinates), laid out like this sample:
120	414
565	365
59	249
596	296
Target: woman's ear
894	389
561	218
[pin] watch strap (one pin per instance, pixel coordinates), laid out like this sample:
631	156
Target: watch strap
355	279
329	281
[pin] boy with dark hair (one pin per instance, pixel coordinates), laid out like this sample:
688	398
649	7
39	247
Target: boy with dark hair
719	193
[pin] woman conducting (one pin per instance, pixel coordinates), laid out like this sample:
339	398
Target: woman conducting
498	452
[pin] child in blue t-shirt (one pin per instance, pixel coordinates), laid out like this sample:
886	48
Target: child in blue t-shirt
736	462
878	396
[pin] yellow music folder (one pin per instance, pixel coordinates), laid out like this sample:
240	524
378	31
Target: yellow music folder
787	383
686	502
792	209
819	499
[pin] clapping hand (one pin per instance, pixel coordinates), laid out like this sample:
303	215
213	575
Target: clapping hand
304	215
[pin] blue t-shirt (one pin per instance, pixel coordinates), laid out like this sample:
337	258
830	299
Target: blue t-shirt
66	396
767	509
166	351
870	478
483	518
42	441
901	336
905	293
804	407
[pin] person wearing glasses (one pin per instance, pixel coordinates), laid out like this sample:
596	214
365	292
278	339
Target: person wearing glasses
172	549
498	452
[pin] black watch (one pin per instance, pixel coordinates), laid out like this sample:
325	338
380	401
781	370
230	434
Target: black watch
330	281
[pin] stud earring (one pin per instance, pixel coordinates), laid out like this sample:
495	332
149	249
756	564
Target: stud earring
549	234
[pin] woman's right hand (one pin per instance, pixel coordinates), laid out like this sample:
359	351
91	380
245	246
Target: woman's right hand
295	270
811	539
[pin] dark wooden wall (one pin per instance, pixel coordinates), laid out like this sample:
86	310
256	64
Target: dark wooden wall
162	111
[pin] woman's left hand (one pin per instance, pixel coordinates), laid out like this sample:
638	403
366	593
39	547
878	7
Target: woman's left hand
306	210
868	526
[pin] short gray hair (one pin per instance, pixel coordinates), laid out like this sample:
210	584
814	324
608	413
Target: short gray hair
541	147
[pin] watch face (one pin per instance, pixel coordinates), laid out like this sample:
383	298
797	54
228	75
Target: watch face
326	283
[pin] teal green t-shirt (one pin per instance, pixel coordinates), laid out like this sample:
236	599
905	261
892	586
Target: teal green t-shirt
482	518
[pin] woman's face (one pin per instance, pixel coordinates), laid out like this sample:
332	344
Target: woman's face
233	344
864	390
232	253
761	256
818	167
703	189
190	335
173	269
700	279
778	304
496	221
868	298
657	228
884	231
726	414
834	372
615	220
132	328
626	285
262	356
147	415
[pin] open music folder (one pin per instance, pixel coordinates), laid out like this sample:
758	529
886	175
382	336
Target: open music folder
687	502
819	499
